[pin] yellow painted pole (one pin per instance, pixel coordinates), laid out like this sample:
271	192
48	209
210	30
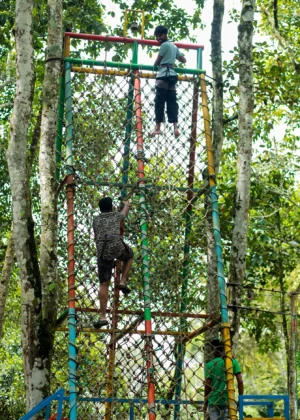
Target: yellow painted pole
224	313
128	73
67	46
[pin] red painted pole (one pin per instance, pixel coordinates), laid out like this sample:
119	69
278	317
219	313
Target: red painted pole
106	38
146	275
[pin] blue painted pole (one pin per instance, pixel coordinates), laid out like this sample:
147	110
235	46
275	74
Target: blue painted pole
286	407
131	412
48	411
71	262
199	59
241	407
270	409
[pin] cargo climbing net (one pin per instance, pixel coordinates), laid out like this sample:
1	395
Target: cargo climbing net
149	362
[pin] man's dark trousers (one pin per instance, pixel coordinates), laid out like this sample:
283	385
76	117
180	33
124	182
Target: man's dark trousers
166	94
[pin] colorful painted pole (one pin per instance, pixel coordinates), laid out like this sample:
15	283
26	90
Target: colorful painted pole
218	245
107	38
144	245
131	66
185	272
59	126
71	229
113	341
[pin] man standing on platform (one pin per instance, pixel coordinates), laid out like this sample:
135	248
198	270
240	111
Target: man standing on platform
166	80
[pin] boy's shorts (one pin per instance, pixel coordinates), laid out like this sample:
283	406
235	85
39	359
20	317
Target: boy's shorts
105	267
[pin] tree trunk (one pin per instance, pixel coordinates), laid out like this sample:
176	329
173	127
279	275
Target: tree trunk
47	168
242	194
23	226
216	59
213	299
6	274
36	338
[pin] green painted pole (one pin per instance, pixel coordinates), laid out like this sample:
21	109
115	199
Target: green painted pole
128	129
59	126
180	352
186	263
132	66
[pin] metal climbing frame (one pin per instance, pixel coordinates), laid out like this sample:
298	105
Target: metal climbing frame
112	372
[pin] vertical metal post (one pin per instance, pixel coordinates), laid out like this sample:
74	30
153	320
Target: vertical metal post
128	129
71	229
270	409
220	265
286	411
131	412
144	245
199	59
60	111
59	126
113	343
241	407
48	410
186	262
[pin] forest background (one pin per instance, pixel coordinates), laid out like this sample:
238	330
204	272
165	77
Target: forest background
271	261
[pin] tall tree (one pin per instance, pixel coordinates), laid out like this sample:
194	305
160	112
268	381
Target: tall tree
36	316
213	300
217	71
47	165
242	193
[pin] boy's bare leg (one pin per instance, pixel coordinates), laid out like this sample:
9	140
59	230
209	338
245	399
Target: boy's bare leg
176	131
125	270
103	296
156	130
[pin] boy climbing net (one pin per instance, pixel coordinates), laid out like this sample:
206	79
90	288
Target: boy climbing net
110	246
166	80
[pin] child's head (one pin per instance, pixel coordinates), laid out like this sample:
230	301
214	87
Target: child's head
161	33
105	205
218	347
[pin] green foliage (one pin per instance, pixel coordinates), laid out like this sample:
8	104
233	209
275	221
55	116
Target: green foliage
12	402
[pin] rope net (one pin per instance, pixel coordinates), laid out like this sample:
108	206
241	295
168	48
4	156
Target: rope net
167	230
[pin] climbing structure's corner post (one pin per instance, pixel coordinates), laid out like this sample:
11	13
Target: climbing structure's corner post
144	245
60	111
220	265
71	261
59	126
199	59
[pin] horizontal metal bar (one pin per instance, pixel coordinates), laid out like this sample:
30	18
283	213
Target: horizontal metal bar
123	40
127	73
135	400
267	403
112	331
133	66
262	397
264	418
162	314
201	330
147	186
